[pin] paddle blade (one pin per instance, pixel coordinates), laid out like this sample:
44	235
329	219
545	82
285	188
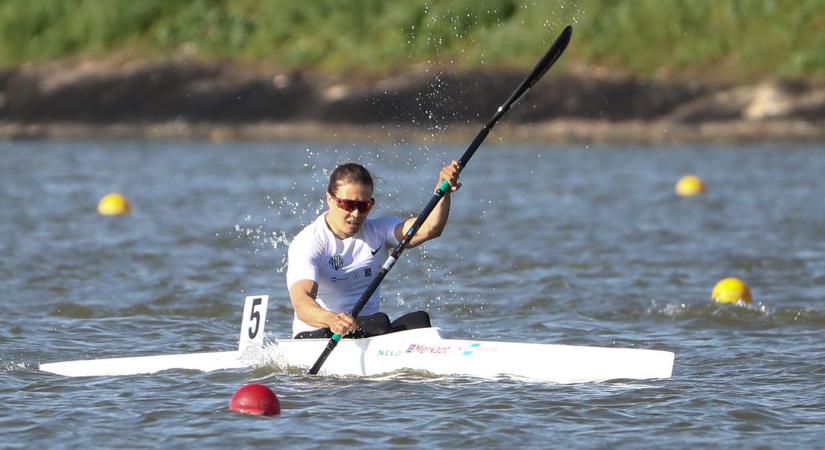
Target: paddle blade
545	63
551	56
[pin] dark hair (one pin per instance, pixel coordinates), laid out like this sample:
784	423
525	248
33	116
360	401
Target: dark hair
348	173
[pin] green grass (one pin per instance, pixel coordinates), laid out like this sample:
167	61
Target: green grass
731	40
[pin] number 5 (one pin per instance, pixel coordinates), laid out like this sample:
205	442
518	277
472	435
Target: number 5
254	319
256	316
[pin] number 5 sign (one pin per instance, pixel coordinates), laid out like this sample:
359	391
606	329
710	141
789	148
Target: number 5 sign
254	319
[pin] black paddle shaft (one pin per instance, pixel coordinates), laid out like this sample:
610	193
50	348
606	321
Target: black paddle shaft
535	75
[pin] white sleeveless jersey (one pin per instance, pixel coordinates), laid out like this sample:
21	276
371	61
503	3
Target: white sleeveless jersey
343	269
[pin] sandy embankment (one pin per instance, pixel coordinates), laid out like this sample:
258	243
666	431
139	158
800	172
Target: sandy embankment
221	102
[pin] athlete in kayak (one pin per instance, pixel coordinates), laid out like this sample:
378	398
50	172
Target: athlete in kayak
332	260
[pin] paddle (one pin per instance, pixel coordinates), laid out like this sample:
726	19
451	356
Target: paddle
539	70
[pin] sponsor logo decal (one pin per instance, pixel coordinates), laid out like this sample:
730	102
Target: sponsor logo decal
384	352
336	262
473	347
368	272
376	250
428	349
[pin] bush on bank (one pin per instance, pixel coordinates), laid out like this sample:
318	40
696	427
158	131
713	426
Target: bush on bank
733	40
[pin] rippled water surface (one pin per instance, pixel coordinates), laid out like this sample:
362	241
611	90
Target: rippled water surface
575	245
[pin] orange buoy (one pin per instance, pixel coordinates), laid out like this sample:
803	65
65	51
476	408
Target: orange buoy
255	399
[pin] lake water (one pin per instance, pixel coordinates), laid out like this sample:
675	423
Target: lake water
574	245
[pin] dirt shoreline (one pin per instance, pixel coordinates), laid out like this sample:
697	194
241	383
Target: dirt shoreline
174	100
554	132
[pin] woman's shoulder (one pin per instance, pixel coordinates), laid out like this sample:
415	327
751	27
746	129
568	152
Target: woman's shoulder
312	233
381	228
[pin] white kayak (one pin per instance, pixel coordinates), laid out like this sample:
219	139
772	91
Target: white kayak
423	350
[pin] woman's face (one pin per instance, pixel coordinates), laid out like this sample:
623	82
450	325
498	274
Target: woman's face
345	223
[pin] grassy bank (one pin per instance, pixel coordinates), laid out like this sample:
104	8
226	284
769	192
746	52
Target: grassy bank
733	40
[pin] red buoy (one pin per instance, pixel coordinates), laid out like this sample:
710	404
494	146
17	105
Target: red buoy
255	399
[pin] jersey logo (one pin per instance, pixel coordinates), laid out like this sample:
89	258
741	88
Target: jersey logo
336	262
376	250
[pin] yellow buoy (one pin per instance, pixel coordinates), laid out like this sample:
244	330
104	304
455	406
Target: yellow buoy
690	185
731	290
113	204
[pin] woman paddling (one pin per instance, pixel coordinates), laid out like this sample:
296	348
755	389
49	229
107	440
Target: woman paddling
332	260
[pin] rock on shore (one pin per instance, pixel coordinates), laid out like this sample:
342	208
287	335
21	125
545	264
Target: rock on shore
218	101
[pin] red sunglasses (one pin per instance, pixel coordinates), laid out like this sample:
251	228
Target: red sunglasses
350	205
